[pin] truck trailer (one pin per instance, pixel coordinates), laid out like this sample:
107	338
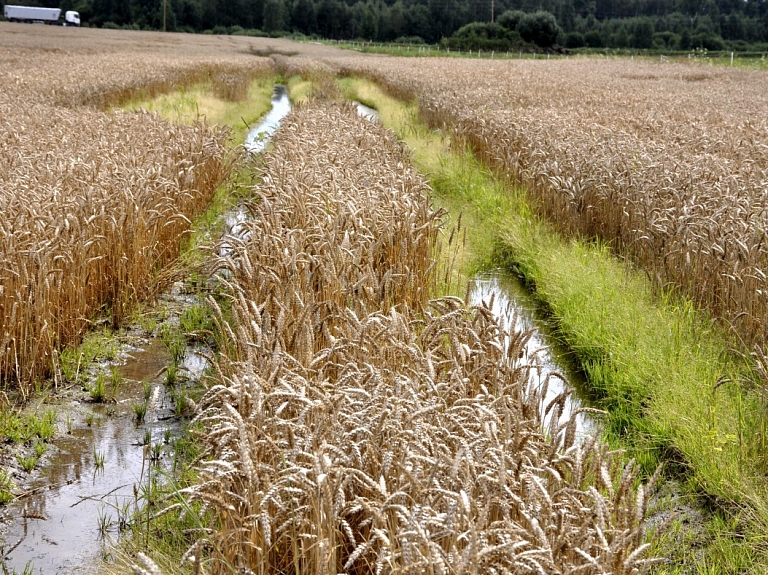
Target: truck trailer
32	14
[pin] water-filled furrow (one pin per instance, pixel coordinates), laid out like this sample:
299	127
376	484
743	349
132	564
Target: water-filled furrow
514	306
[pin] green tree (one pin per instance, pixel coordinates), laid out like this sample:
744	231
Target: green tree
369	22
510	19
304	18
567	16
593	39
574	40
539	28
396	21
642	34
274	15
622	37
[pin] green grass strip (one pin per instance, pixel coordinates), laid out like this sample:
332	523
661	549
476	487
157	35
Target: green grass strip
673	389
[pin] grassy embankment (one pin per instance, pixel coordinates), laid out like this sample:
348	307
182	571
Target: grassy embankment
671	386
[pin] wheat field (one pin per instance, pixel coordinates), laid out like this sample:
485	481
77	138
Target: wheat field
667	163
95	202
358	426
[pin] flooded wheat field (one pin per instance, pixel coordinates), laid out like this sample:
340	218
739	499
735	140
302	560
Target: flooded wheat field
92	478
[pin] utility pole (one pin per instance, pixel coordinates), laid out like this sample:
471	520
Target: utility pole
165	2
491	11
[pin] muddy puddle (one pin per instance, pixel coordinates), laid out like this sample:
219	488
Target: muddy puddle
512	304
89	482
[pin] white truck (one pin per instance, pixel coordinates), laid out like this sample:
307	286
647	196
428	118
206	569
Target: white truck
32	14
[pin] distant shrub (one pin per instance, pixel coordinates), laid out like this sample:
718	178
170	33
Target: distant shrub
409	40
574	40
666	40
593	39
539	28
483	36
707	41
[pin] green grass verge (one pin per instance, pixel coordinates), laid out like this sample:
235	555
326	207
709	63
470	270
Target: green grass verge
674	391
189	105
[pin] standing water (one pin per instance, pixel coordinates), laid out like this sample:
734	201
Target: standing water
257	138
513	305
95	472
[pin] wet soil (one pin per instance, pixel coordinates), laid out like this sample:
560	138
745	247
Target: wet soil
74	506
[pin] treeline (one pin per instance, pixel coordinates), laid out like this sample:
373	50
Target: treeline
642	24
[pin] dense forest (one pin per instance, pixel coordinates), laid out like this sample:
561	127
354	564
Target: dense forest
640	24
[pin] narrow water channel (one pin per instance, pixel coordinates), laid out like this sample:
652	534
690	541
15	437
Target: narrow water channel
73	510
259	136
513	305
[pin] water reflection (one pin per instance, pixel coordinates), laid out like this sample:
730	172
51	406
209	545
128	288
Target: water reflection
59	526
514	306
366	112
257	139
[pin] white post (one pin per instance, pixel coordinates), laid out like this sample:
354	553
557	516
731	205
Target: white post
731	59
492	53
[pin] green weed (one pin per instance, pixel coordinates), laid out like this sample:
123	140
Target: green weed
170	374
140	411
29	569
146	387
105	387
99	458
196	321
40	448
97	345
6	487
174	341
98	389
19	427
27	462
